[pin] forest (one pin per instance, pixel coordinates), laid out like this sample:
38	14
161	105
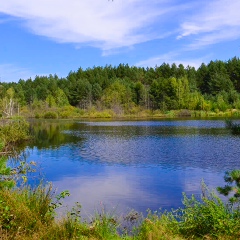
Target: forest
125	89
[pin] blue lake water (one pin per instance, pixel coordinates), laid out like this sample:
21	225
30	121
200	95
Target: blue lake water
133	164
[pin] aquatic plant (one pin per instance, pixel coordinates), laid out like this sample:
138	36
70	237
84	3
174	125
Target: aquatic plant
234	127
6	180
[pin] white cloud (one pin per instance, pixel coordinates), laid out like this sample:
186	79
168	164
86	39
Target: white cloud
101	23
214	22
13	73
114	25
114	190
204	24
173	57
8	73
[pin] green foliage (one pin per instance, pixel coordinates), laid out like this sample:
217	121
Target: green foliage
9	176
207	218
234	127
58	203
6	180
50	115
105	225
27	209
233	186
212	87
117	94
14	131
11	133
61	98
29	212
51	102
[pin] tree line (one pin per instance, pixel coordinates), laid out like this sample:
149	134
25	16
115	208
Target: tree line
212	87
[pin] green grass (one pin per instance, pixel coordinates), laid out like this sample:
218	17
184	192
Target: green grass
14	131
70	112
29	213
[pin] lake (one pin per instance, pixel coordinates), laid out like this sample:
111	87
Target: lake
127	165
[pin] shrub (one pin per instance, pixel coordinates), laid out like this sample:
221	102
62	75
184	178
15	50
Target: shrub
14	131
65	114
37	115
208	218
234	127
184	113
50	115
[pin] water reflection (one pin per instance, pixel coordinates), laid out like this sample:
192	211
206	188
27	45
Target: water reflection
48	134
127	188
138	164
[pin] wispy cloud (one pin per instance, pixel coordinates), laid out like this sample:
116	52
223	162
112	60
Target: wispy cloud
100	23
8	73
215	21
13	73
173	57
119	25
204	24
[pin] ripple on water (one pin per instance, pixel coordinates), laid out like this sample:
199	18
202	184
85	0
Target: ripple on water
139	164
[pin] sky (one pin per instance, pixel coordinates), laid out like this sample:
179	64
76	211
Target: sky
43	37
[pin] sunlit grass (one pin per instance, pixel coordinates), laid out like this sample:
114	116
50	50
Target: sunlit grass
29	213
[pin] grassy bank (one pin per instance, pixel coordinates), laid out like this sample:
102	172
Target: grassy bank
70	112
29	214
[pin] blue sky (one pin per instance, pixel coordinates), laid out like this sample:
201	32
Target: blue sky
43	37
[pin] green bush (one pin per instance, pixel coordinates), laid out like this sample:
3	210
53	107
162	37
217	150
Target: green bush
14	131
234	127
37	115
208	218
50	115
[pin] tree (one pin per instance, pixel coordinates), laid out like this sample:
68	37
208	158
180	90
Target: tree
61	98
221	103
8	102
30	91
233	69
192	78
203	79
164	71
139	93
218	78
165	93
156	94
116	96
50	100
180	71
183	92
96	92
195	101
